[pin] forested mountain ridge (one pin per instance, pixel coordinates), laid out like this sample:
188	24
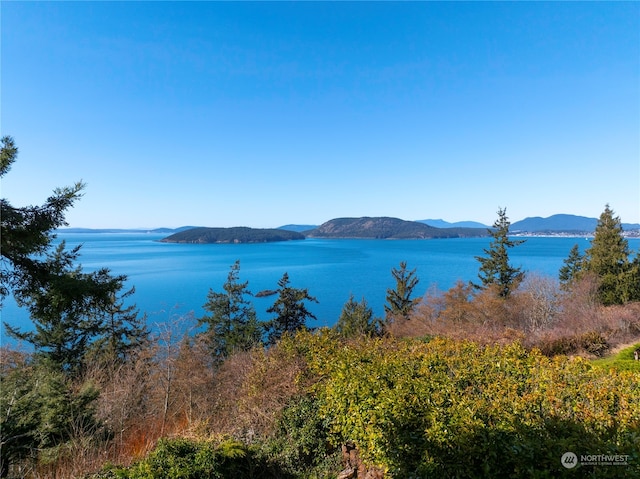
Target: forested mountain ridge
239	234
561	223
388	228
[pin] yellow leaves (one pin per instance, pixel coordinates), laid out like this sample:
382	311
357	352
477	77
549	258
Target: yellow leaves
389	395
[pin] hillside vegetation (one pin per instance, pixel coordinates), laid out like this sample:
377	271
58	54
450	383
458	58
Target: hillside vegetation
562	223
388	228
414	408
238	234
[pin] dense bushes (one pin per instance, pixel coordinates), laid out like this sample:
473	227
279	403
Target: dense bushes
190	459
425	408
413	407
500	406
456	409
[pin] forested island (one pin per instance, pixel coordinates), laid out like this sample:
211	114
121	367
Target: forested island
356	228
388	228
238	234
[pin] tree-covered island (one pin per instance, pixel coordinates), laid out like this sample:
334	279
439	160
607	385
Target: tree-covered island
356	228
239	234
383	227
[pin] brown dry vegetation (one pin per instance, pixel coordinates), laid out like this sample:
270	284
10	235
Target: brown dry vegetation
185	396
171	389
538	315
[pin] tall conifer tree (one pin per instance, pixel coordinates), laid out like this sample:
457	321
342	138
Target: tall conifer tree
399	301
495	268
42	403
232	325
290	310
68	310
608	259
356	319
28	232
573	265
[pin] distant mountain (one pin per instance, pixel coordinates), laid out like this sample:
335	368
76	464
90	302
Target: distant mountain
458	224
238	234
297	228
561	223
174	230
125	230
387	228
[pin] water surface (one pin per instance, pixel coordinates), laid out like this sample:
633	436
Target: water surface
174	279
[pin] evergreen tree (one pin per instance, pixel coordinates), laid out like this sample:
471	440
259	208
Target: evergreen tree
69	311
232	325
27	233
290	310
608	259
631	285
124	331
356	319
573	265
399	302
43	402
495	269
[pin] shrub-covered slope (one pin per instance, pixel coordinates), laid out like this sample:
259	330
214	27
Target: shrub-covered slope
444	408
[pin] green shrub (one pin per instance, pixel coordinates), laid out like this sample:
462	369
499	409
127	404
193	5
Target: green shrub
178	459
456	409
189	459
300	442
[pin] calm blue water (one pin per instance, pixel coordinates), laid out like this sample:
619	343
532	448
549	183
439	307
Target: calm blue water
173	279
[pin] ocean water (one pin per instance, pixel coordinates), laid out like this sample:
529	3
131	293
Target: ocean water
173	279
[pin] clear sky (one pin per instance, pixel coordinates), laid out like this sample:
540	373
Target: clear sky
263	114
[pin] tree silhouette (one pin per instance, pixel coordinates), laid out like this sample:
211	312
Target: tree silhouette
232	325
290	310
399	302
608	259
495	269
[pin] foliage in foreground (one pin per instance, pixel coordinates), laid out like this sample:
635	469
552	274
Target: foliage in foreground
455	409
438	408
183	458
623	361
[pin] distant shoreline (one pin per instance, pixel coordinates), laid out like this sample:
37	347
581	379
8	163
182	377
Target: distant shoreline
522	234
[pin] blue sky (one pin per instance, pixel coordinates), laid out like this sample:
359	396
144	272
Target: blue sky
263	114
